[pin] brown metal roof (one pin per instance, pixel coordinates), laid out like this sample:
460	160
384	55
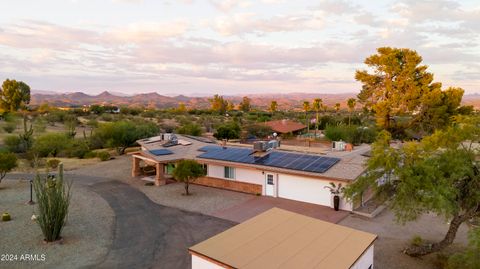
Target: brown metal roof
285	126
282	239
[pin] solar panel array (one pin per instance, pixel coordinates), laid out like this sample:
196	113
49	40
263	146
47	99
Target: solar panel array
159	152
294	161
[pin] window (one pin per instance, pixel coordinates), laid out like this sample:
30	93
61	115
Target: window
229	172
270	179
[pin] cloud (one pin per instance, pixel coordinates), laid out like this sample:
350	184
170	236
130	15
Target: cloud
229	5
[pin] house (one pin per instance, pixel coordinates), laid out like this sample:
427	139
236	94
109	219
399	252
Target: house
285	126
277	173
282	239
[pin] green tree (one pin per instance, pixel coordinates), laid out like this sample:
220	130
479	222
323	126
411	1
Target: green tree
188	171
228	131
351	103
273	106
317	106
245	105
123	134
8	162
306	109
218	104
439	174
14	95
53	200
337	107
51	144
190	129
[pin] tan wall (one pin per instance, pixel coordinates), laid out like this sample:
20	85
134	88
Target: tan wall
229	185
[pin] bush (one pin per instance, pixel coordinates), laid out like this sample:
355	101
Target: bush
470	258
51	144
90	154
8	161
416	241
77	148
259	130
9	127
228	131
103	155
53	163
53	200
13	143
190	129
350	133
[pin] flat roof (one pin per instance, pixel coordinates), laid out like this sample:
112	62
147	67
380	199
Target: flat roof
350	166
282	239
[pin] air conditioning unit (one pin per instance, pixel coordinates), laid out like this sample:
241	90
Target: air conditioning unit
260	146
338	145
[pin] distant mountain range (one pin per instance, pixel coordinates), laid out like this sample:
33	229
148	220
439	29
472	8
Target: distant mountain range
155	100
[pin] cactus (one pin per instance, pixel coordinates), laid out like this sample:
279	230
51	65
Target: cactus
27	136
53	196
6	217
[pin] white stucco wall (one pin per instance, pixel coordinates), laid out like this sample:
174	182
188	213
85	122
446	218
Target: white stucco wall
305	189
308	190
199	263
365	260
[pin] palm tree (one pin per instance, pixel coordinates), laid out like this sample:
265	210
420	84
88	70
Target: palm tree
306	108
273	106
317	105
351	102
337	107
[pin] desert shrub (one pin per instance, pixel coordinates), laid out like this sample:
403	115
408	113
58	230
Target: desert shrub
90	154
53	201
470	258
106	117
190	129
259	130
77	148
350	133
13	143
9	127
40	125
122	134
8	161
53	163
50	144
416	241
228	131
103	155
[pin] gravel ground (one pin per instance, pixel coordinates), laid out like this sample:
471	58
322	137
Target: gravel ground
87	235
393	238
204	200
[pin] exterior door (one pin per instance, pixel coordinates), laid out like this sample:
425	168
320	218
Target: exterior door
269	185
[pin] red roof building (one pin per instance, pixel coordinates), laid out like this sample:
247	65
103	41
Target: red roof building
285	126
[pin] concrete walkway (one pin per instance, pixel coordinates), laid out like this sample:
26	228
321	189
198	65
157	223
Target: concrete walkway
256	205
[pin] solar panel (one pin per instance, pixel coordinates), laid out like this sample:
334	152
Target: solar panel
293	161
159	152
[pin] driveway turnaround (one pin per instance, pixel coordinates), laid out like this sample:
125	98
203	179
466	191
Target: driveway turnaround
146	234
256	205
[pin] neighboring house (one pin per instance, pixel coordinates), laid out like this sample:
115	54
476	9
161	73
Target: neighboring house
277	173
282	239
285	126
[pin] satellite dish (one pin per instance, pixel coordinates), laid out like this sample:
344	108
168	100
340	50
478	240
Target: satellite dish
274	134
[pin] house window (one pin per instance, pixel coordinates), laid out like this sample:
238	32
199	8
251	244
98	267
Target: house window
229	172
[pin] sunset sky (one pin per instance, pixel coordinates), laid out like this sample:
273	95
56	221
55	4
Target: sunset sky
229	47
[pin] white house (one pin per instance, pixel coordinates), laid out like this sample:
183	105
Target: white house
278	173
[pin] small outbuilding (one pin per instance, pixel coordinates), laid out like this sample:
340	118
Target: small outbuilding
282	239
285	126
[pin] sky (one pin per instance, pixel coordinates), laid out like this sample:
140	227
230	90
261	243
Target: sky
203	47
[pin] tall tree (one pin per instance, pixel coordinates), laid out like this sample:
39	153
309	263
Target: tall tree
317	106
188	171
396	85
218	104
351	103
439	174
245	105
306	108
14	95
273	106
